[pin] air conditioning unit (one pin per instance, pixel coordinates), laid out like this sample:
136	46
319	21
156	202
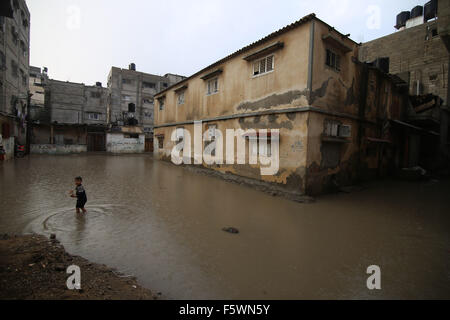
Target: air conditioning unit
345	131
338	130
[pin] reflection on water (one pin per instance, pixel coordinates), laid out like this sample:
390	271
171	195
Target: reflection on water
164	224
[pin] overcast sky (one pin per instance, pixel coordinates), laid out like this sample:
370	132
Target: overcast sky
79	40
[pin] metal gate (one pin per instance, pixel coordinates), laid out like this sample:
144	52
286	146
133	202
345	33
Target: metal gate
96	142
149	145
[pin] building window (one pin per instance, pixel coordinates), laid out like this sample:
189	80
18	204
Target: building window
14	69
147	101
161	142
127	81
95	95
94	116
333	60
2	24
23	48
131	136
126	97
2	61
434	32
212	136
23	77
264	65
181	98
161	102
212	86
265	149
16	5
148	85
165	85
15	35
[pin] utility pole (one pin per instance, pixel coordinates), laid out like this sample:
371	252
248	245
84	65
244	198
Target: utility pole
29	125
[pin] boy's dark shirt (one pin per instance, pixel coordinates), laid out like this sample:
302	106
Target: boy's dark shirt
81	194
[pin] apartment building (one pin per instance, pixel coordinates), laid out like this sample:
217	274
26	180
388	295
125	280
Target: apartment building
306	81
14	68
131	94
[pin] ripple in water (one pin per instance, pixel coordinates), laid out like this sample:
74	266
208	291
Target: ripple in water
67	220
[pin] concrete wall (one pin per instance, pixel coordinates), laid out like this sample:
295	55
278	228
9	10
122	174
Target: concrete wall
72	103
118	143
55	149
42	134
8	146
415	55
95	105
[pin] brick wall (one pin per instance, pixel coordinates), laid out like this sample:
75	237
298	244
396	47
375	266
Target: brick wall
415	55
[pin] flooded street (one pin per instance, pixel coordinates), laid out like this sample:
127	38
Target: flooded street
164	223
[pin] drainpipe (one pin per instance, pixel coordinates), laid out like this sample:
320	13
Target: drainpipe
28	137
51	134
362	109
311	61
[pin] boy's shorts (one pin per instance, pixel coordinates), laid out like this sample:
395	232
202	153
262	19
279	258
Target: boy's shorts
81	204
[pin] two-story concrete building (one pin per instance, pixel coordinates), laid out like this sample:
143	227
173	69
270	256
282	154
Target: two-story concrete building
73	119
14	66
332	111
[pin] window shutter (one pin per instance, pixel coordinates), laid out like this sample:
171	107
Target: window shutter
262	65
256	68
269	63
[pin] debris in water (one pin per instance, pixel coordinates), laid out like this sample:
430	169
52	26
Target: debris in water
231	230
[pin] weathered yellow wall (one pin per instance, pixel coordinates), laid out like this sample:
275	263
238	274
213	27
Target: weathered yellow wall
293	142
240	92
332	90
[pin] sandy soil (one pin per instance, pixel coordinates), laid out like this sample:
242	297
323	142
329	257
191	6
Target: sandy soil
33	267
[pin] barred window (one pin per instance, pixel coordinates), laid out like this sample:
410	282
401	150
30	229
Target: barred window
181	98
212	86
264	65
333	60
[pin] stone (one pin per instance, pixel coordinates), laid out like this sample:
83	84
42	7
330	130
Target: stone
231	230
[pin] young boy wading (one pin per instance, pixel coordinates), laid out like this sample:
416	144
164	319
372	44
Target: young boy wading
80	195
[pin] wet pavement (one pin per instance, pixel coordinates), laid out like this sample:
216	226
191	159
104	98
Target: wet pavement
164	224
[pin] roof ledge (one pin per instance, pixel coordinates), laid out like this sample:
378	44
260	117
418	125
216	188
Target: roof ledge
336	42
212	74
265	51
182	88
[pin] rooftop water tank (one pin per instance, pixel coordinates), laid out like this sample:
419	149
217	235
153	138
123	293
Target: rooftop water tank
132	67
402	17
430	10
417	11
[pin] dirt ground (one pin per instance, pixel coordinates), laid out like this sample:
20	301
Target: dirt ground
33	267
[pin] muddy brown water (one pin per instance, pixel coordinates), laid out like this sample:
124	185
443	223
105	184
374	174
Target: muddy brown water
163	224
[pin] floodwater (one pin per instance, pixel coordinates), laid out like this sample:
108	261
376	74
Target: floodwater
164	223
